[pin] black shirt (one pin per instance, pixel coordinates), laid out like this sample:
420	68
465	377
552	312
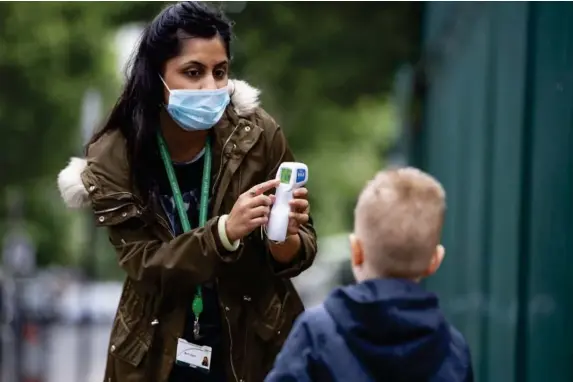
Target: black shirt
189	176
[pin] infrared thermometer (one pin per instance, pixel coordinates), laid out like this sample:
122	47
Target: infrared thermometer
292	175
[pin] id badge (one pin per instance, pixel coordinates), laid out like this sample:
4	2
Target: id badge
195	356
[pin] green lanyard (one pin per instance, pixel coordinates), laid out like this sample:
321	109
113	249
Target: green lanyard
197	305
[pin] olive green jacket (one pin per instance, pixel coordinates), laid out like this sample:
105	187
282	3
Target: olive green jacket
258	301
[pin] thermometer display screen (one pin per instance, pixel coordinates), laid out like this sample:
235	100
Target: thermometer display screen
285	175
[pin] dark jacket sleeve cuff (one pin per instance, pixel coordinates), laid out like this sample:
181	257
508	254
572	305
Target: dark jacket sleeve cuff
294	268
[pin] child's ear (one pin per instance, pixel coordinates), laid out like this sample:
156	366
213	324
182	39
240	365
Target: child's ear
356	252
436	261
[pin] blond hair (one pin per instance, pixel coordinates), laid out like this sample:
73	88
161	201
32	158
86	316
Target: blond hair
398	220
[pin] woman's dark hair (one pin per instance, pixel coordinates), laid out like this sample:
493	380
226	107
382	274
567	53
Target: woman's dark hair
136	112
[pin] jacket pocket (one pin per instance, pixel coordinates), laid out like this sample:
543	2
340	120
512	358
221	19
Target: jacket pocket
132	333
269	324
128	345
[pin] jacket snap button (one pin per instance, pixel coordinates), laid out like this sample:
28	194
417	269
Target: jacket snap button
92	188
247	298
101	219
279	332
155	322
248	128
112	348
124	214
227	308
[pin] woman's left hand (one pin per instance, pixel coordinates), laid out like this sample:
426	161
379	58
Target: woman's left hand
300	208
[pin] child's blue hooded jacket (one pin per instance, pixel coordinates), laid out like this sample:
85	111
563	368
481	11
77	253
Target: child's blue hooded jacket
379	330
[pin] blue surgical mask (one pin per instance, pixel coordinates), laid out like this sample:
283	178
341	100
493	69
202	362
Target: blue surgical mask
197	109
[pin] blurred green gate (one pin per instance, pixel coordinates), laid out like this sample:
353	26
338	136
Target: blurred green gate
497	130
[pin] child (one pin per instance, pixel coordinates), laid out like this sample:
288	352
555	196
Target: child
386	327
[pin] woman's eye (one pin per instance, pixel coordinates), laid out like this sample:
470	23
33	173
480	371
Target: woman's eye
220	73
193	73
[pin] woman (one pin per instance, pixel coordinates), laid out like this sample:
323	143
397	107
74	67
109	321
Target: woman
180	175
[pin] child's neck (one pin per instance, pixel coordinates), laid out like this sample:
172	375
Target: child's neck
369	274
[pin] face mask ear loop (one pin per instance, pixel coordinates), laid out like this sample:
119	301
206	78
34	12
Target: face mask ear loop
167	87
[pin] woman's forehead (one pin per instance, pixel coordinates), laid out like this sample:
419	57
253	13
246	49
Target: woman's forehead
209	52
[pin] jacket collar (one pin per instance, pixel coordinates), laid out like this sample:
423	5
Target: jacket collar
75	193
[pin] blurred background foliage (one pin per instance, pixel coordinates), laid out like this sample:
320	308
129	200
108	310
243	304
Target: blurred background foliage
326	73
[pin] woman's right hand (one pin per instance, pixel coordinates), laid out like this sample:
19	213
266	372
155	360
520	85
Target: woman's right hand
251	210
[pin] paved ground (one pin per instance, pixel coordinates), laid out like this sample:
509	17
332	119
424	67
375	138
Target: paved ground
66	358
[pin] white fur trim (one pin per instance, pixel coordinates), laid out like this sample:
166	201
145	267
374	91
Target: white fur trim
244	97
71	186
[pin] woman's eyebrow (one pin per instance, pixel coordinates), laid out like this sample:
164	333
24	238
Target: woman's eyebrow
202	65
193	63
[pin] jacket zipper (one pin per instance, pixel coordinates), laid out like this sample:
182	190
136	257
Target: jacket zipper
165	225
245	348
230	335
162	221
217	279
221	161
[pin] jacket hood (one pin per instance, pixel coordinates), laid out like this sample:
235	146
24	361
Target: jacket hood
391	325
244	101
